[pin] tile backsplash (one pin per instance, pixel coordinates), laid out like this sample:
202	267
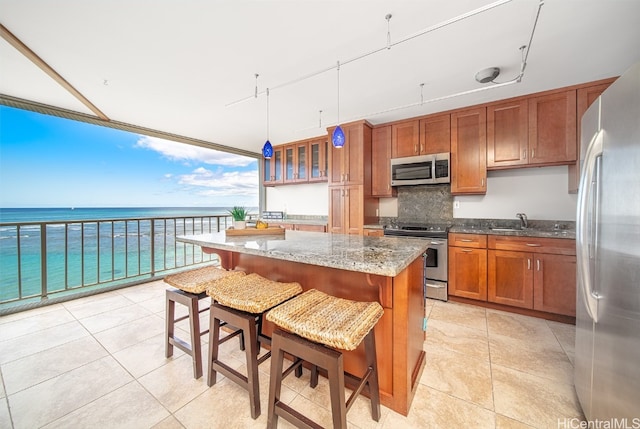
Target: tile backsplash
425	204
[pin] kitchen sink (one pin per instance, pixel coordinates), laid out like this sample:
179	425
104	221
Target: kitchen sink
506	229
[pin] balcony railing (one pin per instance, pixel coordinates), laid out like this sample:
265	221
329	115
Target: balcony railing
46	262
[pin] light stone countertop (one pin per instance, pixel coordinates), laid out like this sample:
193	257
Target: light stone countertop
386	256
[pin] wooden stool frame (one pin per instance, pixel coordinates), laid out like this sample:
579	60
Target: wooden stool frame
329	359
251	327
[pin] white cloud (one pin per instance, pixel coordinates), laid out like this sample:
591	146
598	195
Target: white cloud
186	152
221	183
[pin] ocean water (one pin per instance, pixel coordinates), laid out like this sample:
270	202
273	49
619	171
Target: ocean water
86	247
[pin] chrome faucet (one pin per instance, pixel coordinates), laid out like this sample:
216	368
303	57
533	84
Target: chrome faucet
523	220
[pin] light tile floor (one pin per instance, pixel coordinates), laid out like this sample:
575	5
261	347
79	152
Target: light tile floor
99	362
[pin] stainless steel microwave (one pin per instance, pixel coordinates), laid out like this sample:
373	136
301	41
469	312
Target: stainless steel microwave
421	170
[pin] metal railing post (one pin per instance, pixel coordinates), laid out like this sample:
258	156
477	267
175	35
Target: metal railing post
43	261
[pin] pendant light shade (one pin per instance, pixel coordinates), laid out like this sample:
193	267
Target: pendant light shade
267	149
337	138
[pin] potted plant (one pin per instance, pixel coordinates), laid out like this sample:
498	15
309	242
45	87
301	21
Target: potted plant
239	215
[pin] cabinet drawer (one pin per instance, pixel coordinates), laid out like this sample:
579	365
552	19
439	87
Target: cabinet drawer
476	241
559	246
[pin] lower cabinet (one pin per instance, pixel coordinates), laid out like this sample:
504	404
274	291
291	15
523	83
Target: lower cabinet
373	232
532	273
468	266
303	227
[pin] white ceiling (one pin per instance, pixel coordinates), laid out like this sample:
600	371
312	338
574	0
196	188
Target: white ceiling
174	66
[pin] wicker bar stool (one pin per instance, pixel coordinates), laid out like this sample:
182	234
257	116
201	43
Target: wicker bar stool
241	302
191	288
314	324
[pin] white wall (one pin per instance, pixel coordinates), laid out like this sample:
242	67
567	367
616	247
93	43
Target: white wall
307	199
541	193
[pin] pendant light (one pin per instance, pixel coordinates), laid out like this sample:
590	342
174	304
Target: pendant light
267	149
337	138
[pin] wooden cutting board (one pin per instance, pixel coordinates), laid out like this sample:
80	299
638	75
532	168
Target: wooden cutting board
252	230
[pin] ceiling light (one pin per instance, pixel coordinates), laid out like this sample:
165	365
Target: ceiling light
337	138
267	149
487	75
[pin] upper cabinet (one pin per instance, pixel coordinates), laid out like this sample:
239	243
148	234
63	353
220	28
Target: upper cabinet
469	151
508	134
585	97
346	164
318	162
435	134
552	128
405	139
298	162
381	162
272	168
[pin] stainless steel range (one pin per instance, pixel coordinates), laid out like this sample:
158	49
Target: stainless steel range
435	261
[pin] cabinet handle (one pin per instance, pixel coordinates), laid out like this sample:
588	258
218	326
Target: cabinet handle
466	240
528	263
533	153
482	182
538	264
347	176
415	148
524	154
346	192
467	250
533	245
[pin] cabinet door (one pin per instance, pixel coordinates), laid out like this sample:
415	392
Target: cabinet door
555	284
435	134
405	139
507	134
468	273
584	98
469	152
318	163
510	278
353	209
337	221
289	163
353	153
381	163
552	128
301	162
371	232
273	171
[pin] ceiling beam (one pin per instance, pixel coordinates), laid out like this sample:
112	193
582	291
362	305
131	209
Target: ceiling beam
34	58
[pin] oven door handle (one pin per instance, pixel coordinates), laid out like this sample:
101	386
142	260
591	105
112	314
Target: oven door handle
436	286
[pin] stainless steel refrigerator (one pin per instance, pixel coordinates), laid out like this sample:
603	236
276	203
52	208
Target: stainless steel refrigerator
607	353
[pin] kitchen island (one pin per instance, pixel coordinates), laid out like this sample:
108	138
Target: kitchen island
384	269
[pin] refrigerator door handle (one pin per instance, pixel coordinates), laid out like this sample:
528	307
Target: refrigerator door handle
587	220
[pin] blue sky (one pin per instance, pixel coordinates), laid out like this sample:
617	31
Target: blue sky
46	161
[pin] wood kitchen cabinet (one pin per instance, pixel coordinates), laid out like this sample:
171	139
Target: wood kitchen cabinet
346	209
405	139
381	162
351	204
435	134
302	227
296	162
533	273
552	128
318	162
468	266
273	168
373	232
469	151
508	134
585	97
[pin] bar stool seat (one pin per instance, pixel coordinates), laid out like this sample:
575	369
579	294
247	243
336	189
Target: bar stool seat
241	301
191	288
310	327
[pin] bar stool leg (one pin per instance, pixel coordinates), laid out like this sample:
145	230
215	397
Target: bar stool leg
335	372
214	339
374	392
169	325
251	352
275	385
196	347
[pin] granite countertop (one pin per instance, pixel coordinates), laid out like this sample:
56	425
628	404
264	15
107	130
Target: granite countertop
386	256
528	232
